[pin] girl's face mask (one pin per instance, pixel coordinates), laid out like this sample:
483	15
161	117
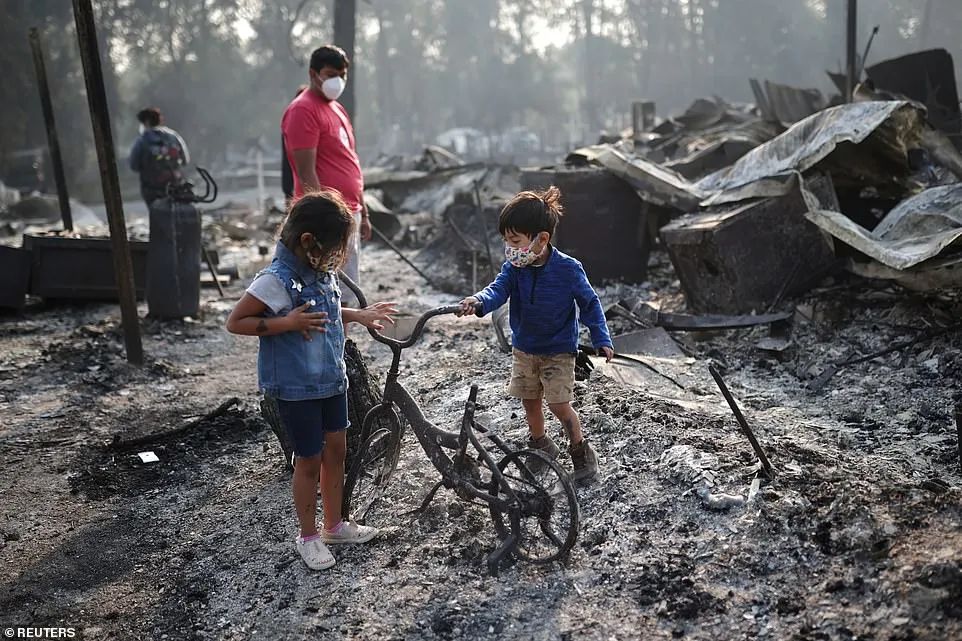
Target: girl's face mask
522	256
323	263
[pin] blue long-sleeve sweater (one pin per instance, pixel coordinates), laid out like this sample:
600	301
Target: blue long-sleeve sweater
545	302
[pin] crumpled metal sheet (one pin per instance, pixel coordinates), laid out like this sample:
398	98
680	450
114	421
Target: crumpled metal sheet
918	229
696	153
766	170
786	104
655	184
704	113
933	274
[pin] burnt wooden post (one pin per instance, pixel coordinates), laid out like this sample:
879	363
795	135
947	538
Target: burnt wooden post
103	139
642	119
851	37
53	142
345	31
958	428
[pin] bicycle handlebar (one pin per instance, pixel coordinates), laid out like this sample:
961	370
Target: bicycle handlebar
418	327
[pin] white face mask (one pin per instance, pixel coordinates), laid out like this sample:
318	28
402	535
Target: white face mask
141	129
332	88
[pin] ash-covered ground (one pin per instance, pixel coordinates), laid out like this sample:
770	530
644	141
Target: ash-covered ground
859	536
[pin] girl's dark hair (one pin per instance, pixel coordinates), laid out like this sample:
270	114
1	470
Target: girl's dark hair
532	212
323	214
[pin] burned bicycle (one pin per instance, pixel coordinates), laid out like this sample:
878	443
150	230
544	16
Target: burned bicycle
531	499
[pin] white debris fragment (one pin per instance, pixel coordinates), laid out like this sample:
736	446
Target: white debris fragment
698	469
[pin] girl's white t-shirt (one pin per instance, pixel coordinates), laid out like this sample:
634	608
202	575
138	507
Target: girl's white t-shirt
268	289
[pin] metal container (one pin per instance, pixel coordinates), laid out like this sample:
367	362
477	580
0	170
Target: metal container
604	224
15	267
173	260
80	268
743	258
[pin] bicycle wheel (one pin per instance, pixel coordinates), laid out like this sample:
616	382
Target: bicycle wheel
373	466
546	504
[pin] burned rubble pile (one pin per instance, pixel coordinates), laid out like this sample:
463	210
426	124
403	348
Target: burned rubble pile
807	249
804	251
447	212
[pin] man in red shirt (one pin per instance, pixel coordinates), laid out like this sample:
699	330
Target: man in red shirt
319	142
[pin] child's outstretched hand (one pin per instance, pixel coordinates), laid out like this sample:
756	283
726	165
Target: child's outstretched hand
608	352
374	316
306	322
468	306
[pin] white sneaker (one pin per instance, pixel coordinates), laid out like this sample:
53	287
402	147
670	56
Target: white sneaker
349	532
315	554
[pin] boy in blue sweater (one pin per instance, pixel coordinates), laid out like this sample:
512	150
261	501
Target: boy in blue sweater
548	289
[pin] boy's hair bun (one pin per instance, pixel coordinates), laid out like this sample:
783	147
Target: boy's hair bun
552	199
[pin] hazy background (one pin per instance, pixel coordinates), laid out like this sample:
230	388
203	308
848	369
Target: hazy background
552	72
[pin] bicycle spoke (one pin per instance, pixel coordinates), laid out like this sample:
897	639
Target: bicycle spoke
549	532
366	482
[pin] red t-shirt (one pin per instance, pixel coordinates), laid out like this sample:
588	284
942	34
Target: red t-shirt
311	122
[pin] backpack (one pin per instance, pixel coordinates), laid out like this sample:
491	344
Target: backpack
162	158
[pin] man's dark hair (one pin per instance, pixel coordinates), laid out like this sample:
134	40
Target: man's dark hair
329	56
149	117
324	215
532	212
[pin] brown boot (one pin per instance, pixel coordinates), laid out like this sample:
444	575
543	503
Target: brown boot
584	460
546	446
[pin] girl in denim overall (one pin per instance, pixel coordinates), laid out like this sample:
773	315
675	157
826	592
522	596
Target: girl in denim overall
294	308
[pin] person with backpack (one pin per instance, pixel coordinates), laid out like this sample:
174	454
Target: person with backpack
158	155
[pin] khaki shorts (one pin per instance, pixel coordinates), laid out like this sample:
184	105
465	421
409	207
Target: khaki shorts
551	377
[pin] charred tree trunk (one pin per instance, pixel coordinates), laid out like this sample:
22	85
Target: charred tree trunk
345	30
385	76
589	106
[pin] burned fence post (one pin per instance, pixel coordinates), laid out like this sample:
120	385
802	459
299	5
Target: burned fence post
642	119
766	466
958	428
53	141
103	139
851	37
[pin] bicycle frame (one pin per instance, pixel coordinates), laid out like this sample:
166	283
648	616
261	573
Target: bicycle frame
448	452
434	440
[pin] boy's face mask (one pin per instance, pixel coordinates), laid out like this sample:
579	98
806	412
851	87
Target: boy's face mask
522	256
